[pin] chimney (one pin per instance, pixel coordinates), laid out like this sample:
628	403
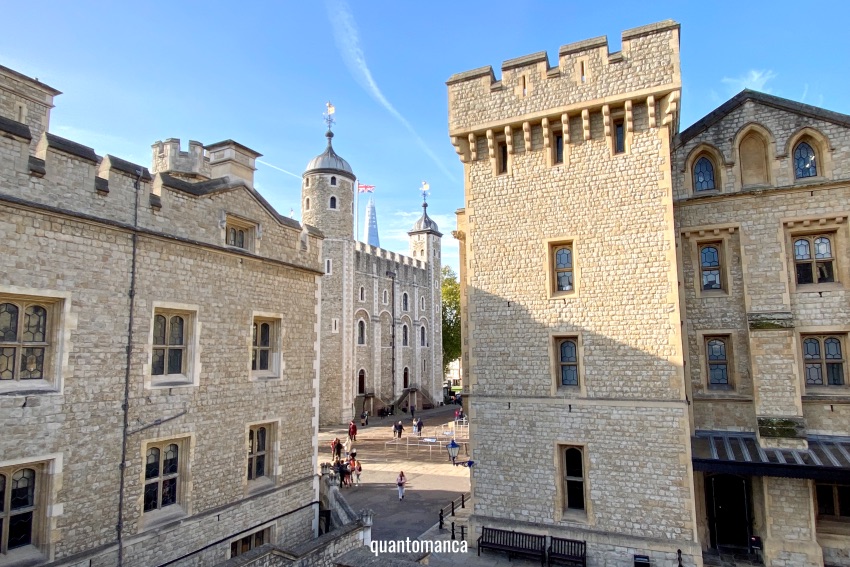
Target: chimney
231	159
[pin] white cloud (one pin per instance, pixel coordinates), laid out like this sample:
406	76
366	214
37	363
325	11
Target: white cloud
348	42
753	79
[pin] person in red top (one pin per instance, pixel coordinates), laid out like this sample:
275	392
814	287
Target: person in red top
352	430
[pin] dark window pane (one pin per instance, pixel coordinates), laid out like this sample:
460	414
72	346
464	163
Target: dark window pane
2	494
8	322
158	362
569	375
565	281
574	463
261	466
843	500
811	349
234	549
240	238
259	538
231	237
703	175
825	272
20	530
832	348
559	148
711	279
804	274
7	363
175	337
575	495
254	334
620	138
169	492
264	359
32	364
151	496
245	543
254	359
169	461
718	374
826	502
35	324
814	375
503	158
251	469
804	161
710	257
265	334
23	489
261	439
152	463
835	374
568	351
159	330
175	361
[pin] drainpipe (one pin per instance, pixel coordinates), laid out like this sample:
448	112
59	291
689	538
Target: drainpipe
125	406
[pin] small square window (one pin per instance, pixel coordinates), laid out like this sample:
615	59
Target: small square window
239	233
833	501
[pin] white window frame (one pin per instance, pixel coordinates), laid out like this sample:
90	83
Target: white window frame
275	350
191	358
181	507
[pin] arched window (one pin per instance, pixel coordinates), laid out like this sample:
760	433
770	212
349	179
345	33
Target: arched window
564	268
718	363
573	479
362	294
753	152
361	332
18	517
236	237
333	180
704	175
404	302
568	357
404	340
817	269
307	182
169	345
422	302
386	297
361	382
406	378
709	259
805	164
333	203
422	335
307	204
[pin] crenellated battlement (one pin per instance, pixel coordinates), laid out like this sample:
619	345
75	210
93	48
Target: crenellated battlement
388	255
193	164
587	77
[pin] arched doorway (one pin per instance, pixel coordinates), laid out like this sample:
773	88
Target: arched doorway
361	382
406	378
728	504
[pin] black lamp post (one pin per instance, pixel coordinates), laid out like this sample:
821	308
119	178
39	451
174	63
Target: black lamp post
453	448
391	274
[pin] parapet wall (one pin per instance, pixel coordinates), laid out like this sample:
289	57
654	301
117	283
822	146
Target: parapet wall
587	76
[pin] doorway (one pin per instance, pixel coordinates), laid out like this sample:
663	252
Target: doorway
728	504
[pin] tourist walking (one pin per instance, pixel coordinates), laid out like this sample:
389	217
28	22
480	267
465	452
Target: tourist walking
347	447
399	429
357	470
352	430
336	447
401	480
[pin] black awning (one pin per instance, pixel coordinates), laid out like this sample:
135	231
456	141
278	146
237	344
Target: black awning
827	458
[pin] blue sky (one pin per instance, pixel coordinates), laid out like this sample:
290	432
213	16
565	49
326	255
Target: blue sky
261	72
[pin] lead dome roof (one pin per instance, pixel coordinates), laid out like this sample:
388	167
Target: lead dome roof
329	161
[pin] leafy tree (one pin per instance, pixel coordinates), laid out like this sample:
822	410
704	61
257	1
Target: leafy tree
451	317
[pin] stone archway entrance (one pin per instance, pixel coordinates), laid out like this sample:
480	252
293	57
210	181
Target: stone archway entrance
728	503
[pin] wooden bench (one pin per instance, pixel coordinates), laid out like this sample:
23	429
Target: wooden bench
568	552
513	543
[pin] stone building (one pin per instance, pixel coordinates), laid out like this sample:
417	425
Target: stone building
368	361
655	322
159	340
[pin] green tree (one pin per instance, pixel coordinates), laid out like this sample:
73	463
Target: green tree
451	317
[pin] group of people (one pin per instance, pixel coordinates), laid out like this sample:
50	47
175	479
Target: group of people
347	468
398	428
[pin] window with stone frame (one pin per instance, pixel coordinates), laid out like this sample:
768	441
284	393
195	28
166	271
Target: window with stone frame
718	351
27	340
833	501
332	203
558	147
501	157
20	513
704	178
711	266
823	360
567	357
362	294
265	347
333	180
562	267
172	347
422	341
805	161
239	233
814	259
573	479
422	302
404	335
619	136
250	541
386	297
260	443
163	483
361	332
404	303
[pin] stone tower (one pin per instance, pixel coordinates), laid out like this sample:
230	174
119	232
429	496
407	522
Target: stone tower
573	337
425	244
328	204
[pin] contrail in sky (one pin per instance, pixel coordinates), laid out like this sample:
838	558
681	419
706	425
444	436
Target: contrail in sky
279	169
348	42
